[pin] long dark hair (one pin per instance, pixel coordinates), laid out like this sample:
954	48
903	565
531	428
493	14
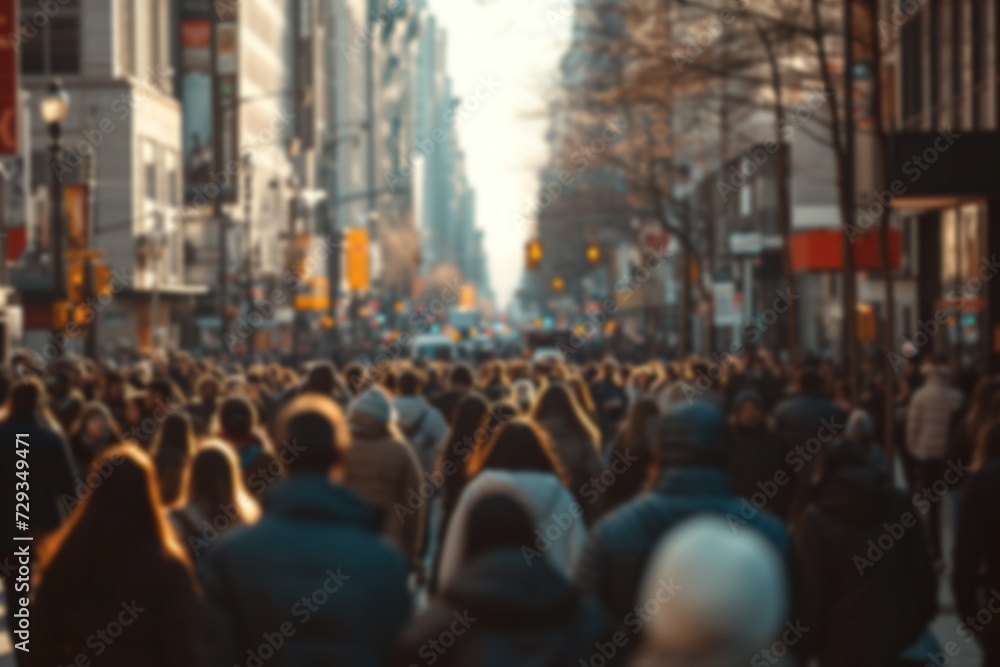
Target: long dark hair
467	434
558	403
519	445
121	517
215	482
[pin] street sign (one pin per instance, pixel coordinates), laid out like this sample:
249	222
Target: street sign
742	244
8	79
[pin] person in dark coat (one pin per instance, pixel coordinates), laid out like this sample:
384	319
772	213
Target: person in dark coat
804	424
576	440
460	382
50	476
976	574
755	460
868	588
499	610
691	448
630	456
312	582
115	587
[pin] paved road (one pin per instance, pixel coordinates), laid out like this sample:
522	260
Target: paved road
945	627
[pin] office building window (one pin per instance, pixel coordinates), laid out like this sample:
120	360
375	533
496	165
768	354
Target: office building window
50	44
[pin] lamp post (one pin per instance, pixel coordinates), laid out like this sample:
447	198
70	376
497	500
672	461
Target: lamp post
54	108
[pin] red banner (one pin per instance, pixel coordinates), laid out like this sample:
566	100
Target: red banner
8	79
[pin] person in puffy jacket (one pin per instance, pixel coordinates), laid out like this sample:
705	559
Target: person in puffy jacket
420	422
928	419
498	609
864	602
314	569
692	451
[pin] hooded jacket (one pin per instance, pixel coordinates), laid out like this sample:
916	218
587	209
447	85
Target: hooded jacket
424	427
501	612
868	588
561	530
319	542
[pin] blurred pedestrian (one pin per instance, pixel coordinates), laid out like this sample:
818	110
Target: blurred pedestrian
116	564
576	441
172	454
865	602
94	431
976	568
313	574
713	597
383	469
421	423
215	500
631	456
692	453
508	611
927	420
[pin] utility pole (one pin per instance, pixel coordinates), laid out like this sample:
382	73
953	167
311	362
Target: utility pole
90	342
849	278
217	212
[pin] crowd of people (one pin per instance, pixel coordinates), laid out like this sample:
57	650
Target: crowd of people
688	513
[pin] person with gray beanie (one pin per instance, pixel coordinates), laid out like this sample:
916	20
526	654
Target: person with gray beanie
714	597
691	448
383	469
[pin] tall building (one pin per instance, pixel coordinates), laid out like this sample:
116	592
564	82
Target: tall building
122	139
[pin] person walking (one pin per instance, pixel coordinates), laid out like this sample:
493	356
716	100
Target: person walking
312	582
498	610
116	564
865	603
381	468
692	453
420	422
928	418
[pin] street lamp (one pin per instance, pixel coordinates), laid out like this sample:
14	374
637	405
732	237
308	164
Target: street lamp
54	107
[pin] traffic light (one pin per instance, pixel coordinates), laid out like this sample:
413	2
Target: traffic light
76	282
358	263
593	254
533	254
558	284
102	279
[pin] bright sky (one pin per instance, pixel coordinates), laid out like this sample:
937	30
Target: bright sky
518	43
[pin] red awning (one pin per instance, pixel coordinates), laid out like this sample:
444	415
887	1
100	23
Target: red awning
823	250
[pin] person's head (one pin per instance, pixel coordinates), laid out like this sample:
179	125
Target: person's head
721	595
176	436
119	517
558	404
59	384
370	413
26	398
811	382
158	393
518	445
236	418
321	378
214	483
316	426
691	434
860	428
208	389
410	383
524	395
748	408
96	423
460	377
497	522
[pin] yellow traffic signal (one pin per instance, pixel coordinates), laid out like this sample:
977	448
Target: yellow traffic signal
102	279
533	254
593	254
558	284
400	306
76	283
358	264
